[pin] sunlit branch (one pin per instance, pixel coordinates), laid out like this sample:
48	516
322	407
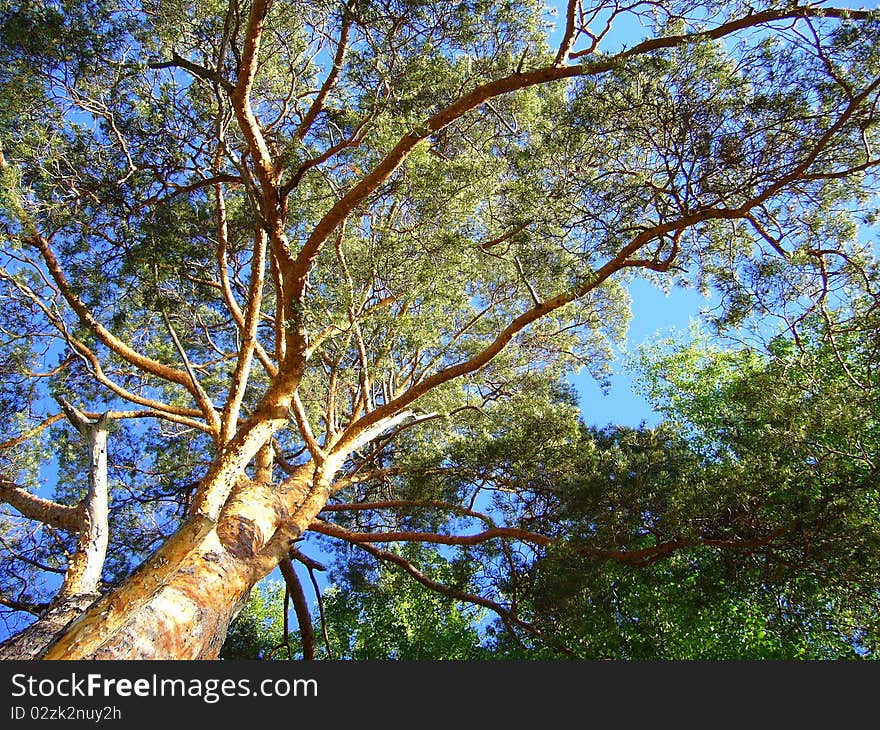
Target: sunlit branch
33	507
173	413
569	35
505	85
105	336
621	260
338	60
26	435
248	339
240	95
305	429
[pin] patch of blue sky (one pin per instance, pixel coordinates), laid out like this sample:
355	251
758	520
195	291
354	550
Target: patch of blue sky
655	314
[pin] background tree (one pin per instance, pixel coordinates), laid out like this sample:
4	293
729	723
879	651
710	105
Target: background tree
779	444
372	611
294	250
258	632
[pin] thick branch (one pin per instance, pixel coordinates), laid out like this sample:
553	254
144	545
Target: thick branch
33	507
249	339
240	97
514	82
128	354
83	574
569	35
638	557
621	260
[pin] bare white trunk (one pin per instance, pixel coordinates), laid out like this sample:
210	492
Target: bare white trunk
82	579
95	535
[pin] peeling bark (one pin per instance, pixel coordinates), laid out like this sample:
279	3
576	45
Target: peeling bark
84	570
28	644
180	603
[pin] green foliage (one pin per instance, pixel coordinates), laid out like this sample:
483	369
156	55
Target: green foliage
371	612
765	478
743	165
258	630
745	526
377	612
755	536
698	605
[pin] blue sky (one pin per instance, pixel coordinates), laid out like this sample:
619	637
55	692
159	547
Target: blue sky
654	314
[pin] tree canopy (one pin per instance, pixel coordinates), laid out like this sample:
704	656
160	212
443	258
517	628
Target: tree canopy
744	525
324	268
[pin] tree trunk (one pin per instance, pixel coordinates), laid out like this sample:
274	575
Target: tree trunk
30	642
179	604
83	576
82	579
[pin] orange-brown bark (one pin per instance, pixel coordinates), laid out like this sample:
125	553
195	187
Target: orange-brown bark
180	602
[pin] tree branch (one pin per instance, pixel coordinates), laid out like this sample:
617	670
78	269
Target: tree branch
124	351
507	616
21	438
569	35
637	557
33	507
300	606
505	85
201	72
249	339
33	608
330	81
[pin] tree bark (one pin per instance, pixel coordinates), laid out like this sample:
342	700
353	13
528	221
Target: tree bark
300	606
179	604
82	579
30	642
83	575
